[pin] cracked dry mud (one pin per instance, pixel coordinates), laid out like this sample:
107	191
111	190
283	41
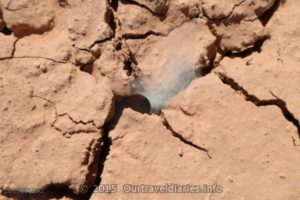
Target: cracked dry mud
78	78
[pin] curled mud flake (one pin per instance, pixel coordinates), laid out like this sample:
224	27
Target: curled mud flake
29	17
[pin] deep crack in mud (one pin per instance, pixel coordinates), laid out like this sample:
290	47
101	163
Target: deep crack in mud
262	102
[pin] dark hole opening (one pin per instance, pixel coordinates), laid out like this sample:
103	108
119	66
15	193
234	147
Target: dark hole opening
136	102
6	31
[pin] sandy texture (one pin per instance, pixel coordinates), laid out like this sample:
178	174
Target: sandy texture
99	94
275	69
222	153
50	138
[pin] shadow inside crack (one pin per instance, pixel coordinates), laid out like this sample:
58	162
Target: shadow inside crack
137	103
265	18
257	47
6	31
88	68
56	191
281	104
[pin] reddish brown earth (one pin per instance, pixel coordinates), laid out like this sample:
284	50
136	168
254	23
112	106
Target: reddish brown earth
96	95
